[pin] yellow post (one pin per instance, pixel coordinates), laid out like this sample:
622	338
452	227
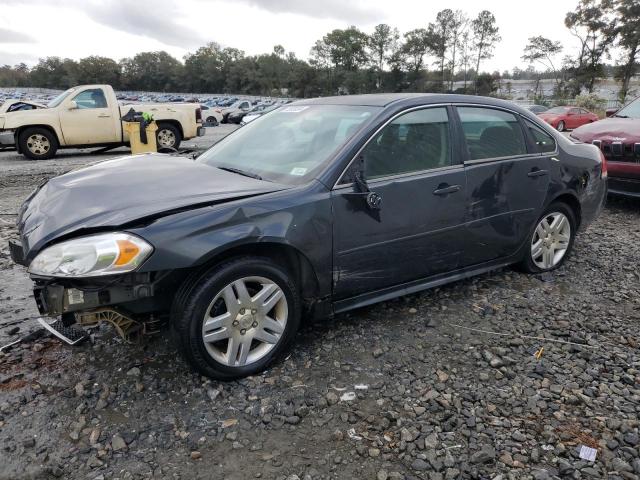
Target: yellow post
133	129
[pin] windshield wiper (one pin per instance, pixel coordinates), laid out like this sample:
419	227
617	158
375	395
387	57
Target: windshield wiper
241	172
621	116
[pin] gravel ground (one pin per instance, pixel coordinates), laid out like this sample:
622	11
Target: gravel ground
439	385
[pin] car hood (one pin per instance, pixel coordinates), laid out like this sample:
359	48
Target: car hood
124	191
612	129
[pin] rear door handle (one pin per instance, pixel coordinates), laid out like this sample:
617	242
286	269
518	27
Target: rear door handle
537	173
447	190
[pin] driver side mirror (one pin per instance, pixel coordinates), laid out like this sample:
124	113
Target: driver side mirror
372	200
72	105
610	112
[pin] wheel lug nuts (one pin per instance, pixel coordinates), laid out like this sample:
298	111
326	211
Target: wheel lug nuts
242	310
243	331
254	311
236	323
255	324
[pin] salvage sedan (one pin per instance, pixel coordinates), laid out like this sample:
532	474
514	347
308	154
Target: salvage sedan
320	207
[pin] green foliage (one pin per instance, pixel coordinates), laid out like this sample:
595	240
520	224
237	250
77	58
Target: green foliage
591	102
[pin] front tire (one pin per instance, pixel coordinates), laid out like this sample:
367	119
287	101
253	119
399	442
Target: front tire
561	126
38	143
238	318
168	136
213	121
552	240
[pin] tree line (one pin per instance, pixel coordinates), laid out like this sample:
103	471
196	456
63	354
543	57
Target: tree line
447	55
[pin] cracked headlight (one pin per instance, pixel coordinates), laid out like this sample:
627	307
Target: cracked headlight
91	256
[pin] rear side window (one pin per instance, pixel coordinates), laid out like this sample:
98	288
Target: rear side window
413	142
544	142
491	133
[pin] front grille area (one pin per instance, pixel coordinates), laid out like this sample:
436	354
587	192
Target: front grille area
619	152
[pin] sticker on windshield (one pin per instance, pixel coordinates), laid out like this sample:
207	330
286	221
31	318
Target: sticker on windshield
299	171
293	109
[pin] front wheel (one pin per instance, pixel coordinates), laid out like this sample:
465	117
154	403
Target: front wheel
238	318
38	143
561	126
213	121
552	240
168	136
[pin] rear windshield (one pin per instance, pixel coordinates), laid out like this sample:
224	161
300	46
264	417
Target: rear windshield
291	144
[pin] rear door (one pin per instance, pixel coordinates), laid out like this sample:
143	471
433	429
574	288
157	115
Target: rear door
507	182
418	230
91	121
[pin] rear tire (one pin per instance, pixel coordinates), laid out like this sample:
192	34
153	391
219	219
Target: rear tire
168	136
37	143
213	121
224	309
550	244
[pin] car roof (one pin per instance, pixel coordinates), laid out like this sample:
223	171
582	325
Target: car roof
407	99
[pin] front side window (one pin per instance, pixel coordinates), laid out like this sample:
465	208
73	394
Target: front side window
413	142
544	142
291	144
92	98
491	133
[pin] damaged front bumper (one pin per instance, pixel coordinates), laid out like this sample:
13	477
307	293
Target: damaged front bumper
55	299
7	138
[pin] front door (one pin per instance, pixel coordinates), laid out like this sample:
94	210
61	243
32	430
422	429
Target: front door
91	121
507	183
417	232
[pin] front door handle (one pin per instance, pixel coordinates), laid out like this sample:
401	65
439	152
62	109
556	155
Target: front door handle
537	173
104	115
446	189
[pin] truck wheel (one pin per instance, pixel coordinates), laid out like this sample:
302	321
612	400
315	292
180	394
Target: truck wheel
238	318
38	143
168	136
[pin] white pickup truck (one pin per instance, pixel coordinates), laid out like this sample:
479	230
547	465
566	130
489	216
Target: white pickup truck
88	116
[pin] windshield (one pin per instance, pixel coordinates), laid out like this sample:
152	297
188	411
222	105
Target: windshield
557	110
58	100
631	111
291	144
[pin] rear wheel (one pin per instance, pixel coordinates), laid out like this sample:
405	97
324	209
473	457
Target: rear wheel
168	136
552	240
38	143
238	318
213	121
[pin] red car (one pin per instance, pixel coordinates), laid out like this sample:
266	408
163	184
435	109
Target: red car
619	139
567	118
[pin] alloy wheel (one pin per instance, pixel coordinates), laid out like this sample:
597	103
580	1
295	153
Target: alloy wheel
166	138
245	321
550	240
38	144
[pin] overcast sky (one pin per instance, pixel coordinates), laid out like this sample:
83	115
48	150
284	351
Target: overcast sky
120	28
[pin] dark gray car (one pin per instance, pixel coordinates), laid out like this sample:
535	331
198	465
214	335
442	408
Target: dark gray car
320	207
